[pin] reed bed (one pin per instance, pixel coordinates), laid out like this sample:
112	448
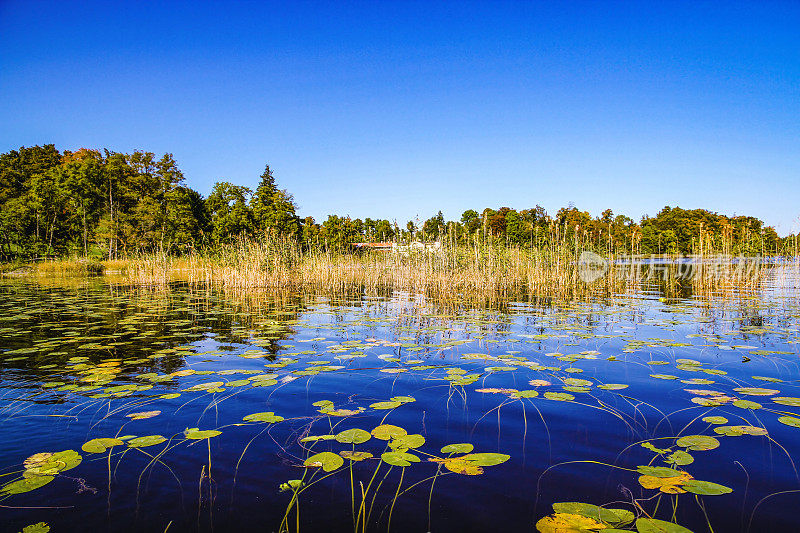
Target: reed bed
481	268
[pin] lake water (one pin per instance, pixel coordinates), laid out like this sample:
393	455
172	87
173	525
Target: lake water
550	402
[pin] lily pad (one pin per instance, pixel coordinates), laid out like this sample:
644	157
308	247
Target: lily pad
355	456
25	485
706	488
387	432
559	396
328	461
385	405
652	525
268	417
610	516
398	458
658	471
353	436
756	391
100	445
143	442
790	421
487	459
200	434
406	442
698	442
738	431
464	447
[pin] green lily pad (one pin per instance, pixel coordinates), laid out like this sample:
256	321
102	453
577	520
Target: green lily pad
198	434
652	525
525	394
292	484
268	417
39	527
329	461
463	447
746	404
403	399
715	419
100	445
387	432
756	391
353	436
610	516
787	400
486	459
698	442
399	458
25	485
658	471
705	488
314	438
738	431
559	396
355	456
612	386
680	458
385	405
143	442
406	442
790	421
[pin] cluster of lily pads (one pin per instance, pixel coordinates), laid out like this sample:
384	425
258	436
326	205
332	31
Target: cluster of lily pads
159	356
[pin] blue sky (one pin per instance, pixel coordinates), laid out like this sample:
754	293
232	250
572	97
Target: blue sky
399	109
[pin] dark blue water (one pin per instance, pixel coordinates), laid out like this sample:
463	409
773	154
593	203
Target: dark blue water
55	338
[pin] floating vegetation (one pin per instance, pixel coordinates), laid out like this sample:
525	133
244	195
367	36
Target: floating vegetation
372	411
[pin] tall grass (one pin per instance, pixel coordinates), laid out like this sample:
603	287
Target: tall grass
481	267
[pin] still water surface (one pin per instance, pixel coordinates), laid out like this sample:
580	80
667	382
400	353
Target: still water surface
561	397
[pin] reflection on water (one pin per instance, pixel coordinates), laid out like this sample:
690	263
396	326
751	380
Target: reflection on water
189	409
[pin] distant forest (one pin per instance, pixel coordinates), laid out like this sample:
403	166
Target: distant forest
105	204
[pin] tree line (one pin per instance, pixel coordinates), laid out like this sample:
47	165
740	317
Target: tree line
106	204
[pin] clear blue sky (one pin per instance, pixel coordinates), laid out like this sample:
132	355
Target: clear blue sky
399	109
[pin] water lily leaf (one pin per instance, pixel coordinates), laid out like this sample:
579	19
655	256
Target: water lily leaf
329	461
342	412
355	456
737	431
25	485
268	417
143	415
406	442
756	391
399	458
668	485
568	523
525	394
663	376
487	459
403	399
559	396
610	516
39	527
649	446
385	405
652	525
324	405
143	442
314	438
464	447
790	421
680	458
706	488
292	484
353	436
462	466
787	400
100	445
698	442
715	419
658	471
388	431
612	386
746	404
198	434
